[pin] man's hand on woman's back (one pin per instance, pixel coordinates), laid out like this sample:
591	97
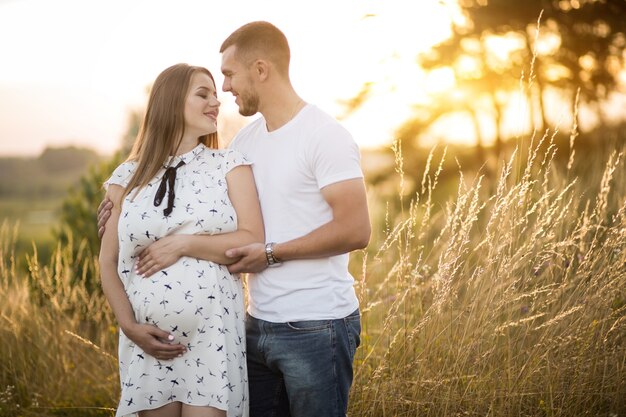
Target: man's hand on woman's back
104	212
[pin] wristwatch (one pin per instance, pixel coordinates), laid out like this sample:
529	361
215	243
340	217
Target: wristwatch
272	260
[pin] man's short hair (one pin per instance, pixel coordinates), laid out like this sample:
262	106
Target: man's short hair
260	40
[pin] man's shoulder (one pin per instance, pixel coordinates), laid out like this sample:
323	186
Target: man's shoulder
320	122
325	131
319	116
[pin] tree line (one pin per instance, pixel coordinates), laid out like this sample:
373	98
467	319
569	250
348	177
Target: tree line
573	49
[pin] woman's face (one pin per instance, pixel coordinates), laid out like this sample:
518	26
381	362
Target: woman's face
201	106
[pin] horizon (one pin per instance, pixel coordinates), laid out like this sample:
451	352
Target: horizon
99	59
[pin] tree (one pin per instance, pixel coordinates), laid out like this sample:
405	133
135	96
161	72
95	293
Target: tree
578	47
78	211
78	227
70	158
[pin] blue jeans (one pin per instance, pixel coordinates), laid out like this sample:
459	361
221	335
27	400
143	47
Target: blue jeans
301	369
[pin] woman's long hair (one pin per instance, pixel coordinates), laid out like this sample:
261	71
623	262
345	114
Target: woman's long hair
163	125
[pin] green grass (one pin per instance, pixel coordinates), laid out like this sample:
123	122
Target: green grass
35	219
505	298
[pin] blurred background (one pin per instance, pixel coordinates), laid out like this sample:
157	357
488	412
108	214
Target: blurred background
75	75
493	140
471	74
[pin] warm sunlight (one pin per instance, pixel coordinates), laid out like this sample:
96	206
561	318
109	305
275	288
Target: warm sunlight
440	80
74	69
467	258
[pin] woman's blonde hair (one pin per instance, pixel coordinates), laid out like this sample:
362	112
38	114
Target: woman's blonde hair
163	125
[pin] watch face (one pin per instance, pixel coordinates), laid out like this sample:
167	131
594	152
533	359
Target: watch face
269	254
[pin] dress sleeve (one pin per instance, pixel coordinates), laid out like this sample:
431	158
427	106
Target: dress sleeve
121	175
232	159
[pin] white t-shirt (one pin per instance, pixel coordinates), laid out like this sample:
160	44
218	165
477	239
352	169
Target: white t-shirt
291	165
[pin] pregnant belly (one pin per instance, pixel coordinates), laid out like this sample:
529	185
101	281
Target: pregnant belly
183	300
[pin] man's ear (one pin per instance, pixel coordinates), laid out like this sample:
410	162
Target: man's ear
261	69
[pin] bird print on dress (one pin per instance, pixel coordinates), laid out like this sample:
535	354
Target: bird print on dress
200	303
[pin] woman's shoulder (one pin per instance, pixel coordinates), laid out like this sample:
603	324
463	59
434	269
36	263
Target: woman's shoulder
128	165
227	155
233	158
223	159
122	173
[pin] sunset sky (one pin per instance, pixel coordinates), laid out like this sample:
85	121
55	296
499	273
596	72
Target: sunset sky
72	69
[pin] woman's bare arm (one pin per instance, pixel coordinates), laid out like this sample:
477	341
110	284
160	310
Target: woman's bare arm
148	337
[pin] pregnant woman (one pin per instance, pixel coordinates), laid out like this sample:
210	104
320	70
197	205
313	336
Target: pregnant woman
176	183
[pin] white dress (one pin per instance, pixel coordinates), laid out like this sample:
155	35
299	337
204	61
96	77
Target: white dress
199	302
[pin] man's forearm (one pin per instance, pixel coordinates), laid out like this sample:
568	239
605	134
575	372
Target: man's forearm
213	247
330	239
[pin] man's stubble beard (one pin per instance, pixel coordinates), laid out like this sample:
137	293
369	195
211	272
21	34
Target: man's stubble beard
249	104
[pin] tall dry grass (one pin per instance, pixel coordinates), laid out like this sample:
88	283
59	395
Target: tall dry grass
57	341
510	300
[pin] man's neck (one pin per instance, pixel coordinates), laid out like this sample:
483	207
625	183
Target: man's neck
279	109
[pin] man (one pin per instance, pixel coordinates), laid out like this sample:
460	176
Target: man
303	320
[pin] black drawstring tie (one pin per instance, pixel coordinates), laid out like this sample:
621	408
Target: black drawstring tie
168	179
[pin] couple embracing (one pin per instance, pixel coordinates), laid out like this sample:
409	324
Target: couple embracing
285	203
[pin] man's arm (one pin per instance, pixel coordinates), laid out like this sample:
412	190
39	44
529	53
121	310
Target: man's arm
169	249
348	230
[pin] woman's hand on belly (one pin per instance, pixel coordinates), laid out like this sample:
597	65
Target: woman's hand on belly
154	341
161	254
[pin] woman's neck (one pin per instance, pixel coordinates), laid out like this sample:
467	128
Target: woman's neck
186	145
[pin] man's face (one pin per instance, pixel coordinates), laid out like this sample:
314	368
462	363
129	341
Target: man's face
238	81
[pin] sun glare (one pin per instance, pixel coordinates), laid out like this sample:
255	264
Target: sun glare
501	47
548	43
102	56
392	35
440	80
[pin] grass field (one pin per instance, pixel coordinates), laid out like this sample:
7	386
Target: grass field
35	218
508	298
